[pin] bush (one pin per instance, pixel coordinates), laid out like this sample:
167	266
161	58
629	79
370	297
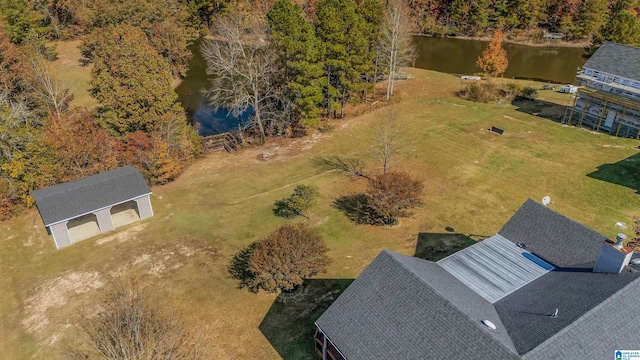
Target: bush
393	194
489	92
529	92
282	260
298	204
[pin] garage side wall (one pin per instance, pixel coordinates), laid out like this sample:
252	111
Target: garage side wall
144	207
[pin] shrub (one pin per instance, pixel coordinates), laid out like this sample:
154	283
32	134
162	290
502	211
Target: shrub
529	92
393	194
282	260
489	92
298	204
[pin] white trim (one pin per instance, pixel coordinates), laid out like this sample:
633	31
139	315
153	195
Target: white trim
102	208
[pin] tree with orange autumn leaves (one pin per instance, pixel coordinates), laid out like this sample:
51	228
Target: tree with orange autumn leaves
493	60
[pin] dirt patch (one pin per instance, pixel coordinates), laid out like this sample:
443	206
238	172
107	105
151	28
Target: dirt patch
160	261
127	234
54	294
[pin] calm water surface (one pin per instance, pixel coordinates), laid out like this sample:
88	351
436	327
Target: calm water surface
457	56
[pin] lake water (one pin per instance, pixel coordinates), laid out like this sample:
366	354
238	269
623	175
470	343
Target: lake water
457	56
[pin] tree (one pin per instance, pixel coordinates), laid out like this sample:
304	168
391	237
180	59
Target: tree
299	203
81	147
241	65
47	85
623	28
129	325
591	16
12	69
387	134
396	43
391	195
285	258
165	24
299	52
493	60
348	55
131	82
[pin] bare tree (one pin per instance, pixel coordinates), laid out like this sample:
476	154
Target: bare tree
130	326
47	84
387	138
241	64
396	45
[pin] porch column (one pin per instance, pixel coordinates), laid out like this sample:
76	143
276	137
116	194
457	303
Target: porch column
60	234
104	219
144	207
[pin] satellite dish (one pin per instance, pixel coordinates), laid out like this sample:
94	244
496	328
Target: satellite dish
546	200
635	261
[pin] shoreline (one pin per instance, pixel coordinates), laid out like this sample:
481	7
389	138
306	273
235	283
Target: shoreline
560	43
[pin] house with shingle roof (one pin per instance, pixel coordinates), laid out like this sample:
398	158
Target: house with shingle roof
609	99
80	209
544	287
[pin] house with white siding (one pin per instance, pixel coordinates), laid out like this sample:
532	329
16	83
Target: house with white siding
609	97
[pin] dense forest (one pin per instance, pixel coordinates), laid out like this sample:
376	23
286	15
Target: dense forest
291	64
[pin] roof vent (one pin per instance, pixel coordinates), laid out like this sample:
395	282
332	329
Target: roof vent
621	238
489	324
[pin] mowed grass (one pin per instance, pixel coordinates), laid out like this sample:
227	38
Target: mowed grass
74	75
474	181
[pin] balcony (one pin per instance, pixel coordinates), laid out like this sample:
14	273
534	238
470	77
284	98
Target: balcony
605	81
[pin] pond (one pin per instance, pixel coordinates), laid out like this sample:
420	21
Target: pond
196	103
457	56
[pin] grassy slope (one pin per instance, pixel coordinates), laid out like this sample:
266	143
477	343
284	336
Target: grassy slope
474	181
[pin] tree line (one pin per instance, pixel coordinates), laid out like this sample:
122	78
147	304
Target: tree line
292	66
576	19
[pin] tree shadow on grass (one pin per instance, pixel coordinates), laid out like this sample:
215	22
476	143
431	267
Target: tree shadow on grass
437	246
239	267
356	207
624	172
289	323
540	108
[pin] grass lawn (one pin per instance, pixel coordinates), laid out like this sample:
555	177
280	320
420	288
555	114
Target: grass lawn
474	181
74	75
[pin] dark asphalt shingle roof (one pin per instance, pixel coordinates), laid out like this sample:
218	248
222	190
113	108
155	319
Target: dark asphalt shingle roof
402	307
525	313
72	199
553	237
608	326
616	59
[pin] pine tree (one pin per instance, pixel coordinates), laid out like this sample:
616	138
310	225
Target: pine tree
344	34
300	54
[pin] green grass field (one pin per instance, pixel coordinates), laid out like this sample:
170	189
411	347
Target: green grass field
474	181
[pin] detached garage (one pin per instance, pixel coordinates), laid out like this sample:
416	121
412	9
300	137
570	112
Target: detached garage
77	210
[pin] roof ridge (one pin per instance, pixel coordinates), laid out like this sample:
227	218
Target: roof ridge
449	302
540	206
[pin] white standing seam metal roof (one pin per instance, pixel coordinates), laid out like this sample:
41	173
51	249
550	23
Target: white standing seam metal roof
495	267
